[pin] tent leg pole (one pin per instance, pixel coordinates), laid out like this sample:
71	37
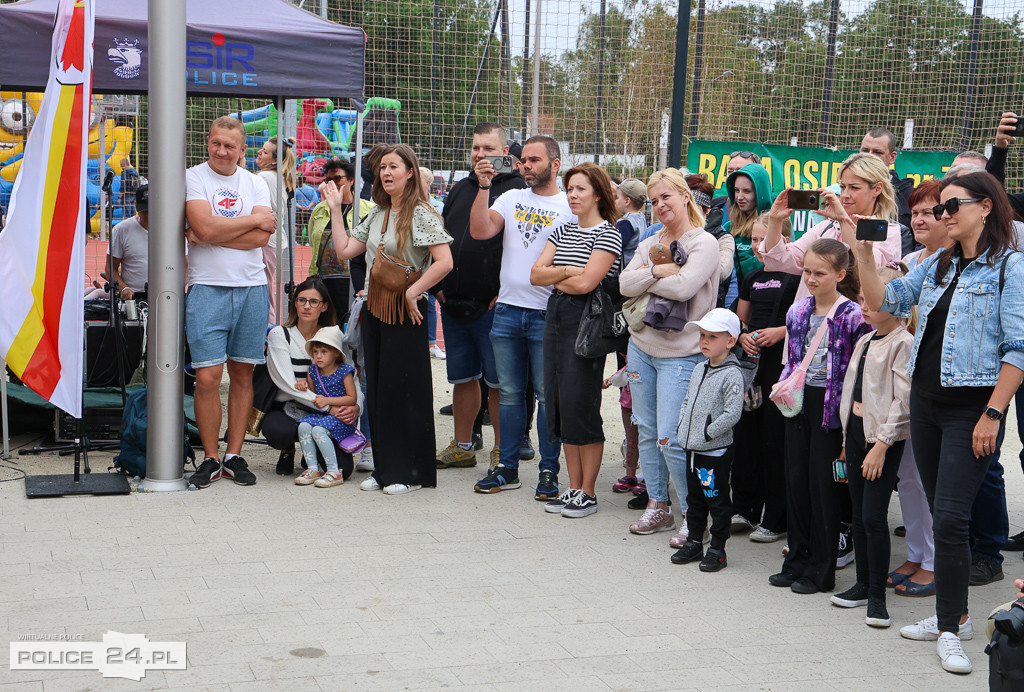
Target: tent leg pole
3	406
358	188
281	206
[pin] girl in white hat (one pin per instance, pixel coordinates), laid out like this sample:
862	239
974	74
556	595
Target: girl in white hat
331	378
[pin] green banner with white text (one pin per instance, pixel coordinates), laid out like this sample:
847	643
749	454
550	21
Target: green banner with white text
804	168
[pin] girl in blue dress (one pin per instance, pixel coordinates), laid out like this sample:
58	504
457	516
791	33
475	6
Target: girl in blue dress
331	378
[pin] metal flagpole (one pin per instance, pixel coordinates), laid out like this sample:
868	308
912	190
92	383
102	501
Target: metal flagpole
165	434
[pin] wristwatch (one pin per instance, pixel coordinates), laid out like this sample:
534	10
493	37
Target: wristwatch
993	413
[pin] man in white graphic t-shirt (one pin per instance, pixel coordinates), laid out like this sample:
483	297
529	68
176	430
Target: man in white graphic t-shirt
226	310
527	217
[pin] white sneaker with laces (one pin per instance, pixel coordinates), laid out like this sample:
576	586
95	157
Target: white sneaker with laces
927	630
365	462
400	488
951	651
740	523
763	535
370	484
437	352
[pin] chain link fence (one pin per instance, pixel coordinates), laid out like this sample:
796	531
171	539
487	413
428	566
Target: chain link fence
598	75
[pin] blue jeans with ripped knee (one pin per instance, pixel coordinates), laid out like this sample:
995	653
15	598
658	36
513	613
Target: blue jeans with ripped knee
658	387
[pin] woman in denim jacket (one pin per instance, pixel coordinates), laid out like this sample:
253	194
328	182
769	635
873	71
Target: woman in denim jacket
967	362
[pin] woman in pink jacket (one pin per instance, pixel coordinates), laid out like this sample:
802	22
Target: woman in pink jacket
865	191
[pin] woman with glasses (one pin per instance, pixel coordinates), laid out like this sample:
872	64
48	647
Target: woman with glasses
966	364
288	363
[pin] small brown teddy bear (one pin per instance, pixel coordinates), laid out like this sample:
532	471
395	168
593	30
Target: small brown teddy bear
660	254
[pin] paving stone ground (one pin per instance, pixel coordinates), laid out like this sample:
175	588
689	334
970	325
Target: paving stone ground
278	587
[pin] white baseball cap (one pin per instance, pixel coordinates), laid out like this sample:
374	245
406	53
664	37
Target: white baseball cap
717	320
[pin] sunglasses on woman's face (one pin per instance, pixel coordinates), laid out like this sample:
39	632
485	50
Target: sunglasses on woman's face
311	302
952	206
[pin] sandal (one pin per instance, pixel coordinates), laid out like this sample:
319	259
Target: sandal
896	578
624	484
915	590
640	488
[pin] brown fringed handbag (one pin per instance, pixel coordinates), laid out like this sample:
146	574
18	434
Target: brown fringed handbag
390	277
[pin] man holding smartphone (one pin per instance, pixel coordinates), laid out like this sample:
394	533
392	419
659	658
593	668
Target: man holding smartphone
525	219
467	296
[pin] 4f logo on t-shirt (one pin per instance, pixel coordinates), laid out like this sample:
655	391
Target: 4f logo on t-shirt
532	222
227	202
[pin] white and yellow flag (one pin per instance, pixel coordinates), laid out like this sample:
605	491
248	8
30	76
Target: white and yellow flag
42	247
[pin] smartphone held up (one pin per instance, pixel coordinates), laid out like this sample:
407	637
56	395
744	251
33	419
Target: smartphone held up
875	230
502	164
804	199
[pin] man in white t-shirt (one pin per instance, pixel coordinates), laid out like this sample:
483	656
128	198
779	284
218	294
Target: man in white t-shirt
230	220
128	254
527	217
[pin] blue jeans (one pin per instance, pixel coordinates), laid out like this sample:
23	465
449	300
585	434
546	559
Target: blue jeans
364	419
990	525
517	337
431	319
658	386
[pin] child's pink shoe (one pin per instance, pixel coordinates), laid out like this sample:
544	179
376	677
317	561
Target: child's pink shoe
625	484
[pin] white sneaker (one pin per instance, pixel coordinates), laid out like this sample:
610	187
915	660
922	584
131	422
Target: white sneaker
927	630
400	488
763	535
951	651
437	352
370	484
740	523
365	462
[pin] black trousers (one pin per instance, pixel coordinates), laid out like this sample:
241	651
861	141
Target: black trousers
870	499
759	465
707	492
942	436
399	400
812	495
338	292
281	432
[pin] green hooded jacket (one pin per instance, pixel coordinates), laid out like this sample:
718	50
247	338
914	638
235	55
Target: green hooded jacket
745	260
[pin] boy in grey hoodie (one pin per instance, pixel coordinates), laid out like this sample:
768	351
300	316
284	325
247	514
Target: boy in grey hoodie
711	409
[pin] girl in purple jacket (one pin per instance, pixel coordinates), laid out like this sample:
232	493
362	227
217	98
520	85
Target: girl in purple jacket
814	437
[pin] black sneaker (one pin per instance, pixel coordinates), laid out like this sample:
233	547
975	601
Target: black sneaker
985	571
641	500
526	452
713	561
208	472
783	579
558	504
448	410
580	505
547	486
845	555
237	469
478	441
804	586
286	463
854	597
877	615
497	479
1015	542
692	550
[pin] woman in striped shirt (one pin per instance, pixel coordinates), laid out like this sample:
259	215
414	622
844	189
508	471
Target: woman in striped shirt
578	256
